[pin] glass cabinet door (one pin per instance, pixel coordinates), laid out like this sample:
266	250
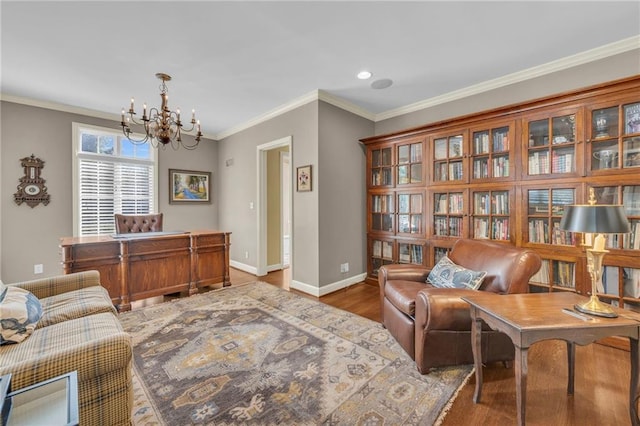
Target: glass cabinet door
382	212
410	163
491	153
410	217
381	167
490	215
448	214
381	254
545	208
448	158
551	146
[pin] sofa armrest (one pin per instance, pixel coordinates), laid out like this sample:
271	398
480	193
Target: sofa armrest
406	272
47	287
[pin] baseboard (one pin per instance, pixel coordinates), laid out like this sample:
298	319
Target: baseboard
324	290
246	268
275	267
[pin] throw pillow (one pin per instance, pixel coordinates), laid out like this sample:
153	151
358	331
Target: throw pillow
447	274
20	312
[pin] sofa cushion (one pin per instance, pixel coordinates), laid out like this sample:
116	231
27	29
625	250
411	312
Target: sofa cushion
446	274
75	304
20	312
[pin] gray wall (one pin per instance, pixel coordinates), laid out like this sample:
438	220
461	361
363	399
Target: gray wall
612	68
31	235
341	173
238	188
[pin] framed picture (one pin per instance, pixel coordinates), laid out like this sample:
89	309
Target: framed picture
303	175
188	186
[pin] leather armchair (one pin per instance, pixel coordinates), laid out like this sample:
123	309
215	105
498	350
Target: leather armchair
126	224
433	325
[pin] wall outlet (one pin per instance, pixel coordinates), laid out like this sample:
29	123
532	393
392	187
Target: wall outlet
246	254
38	269
344	267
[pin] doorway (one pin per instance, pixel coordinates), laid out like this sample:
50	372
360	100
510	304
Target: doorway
280	194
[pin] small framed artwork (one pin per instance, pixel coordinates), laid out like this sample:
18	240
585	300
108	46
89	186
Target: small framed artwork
303	174
188	186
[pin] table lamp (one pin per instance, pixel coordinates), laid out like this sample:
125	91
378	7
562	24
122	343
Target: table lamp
595	219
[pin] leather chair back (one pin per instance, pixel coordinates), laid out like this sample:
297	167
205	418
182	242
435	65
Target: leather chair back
508	268
126	224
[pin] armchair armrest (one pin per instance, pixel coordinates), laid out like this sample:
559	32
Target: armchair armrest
407	272
443	309
47	287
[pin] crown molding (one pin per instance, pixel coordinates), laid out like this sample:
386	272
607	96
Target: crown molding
598	53
622	46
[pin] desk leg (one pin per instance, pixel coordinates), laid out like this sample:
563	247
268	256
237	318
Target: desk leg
476	336
634	391
571	363
521	382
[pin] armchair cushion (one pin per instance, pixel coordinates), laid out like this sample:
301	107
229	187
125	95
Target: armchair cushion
75	304
446	274
20	312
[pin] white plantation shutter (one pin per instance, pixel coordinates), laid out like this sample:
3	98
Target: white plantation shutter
109	183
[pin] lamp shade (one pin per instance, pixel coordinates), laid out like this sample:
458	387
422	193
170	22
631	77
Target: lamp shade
595	219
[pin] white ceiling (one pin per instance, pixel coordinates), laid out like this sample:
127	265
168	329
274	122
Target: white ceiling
237	61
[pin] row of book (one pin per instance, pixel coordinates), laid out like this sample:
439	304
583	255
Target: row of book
564	273
611	281
382	249
497	229
451	226
382	203
481	141
494	203
452	203
448	171
410	253
381	176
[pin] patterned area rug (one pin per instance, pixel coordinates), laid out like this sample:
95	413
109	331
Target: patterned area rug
256	354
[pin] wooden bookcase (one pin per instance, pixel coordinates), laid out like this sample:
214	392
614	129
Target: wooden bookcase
507	175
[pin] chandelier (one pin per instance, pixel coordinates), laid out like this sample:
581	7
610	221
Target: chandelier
162	126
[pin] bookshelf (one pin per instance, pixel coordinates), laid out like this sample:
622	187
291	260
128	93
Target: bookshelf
507	175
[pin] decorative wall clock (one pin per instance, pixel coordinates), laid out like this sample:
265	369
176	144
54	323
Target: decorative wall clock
32	189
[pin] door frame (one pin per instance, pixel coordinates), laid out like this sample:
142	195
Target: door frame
261	204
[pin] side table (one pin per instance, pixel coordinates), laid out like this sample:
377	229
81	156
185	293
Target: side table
529	318
51	402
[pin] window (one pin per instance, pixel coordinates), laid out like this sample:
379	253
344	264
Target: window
110	175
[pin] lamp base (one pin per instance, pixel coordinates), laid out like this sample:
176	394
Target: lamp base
595	307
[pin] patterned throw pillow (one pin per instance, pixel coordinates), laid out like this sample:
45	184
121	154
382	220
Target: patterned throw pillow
20	312
447	274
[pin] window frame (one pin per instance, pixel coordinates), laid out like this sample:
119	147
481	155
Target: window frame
77	155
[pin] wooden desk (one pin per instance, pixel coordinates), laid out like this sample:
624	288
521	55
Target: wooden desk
150	264
529	318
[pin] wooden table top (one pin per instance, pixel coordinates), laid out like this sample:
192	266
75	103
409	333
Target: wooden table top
543	311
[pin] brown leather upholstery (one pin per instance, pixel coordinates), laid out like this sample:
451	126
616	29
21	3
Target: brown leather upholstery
433	324
126	224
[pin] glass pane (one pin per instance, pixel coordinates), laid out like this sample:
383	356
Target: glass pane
416	224
403	203
480	168
538	231
416	153
500	202
481	228
631	282
538	201
440	225
376	248
610	281
387	250
416	254
106	145
500	229
632	239
607	195
455	203
538	162
416	173
631	200
455	226
632	118
375	177
387	222
561	198
404	253
563	160
501	139
481	142
386	157
386	176
440	149
605	155
439	253
481	203
129	149
416	203
564	129
500	166
455	146
440	171
455	170
631	152
440	203
403	175
539	133
403	223
375	158
604	123
89	143
403	154
564	274
542	276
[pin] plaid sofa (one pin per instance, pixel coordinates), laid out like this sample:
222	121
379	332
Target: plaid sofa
79	330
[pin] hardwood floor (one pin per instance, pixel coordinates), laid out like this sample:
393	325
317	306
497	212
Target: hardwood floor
601	382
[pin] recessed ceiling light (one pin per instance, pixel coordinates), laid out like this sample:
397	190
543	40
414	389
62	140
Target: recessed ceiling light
382	83
364	75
